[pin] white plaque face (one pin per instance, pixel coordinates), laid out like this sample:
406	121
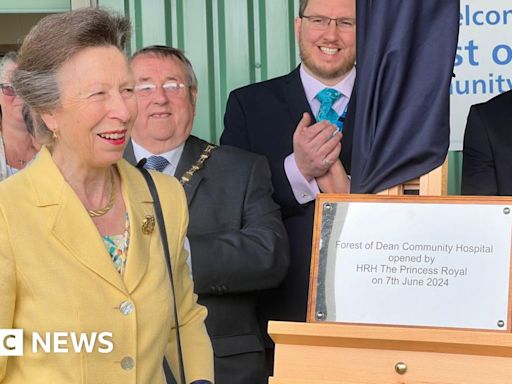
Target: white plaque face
439	265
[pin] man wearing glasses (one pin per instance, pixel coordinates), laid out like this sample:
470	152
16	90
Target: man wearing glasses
237	240
296	121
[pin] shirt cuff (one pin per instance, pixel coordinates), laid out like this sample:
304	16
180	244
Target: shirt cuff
303	190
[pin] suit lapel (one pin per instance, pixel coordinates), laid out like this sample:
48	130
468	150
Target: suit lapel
71	225
191	153
348	133
139	204
295	98
73	228
129	154
76	231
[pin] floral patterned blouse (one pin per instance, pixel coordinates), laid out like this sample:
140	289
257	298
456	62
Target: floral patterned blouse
117	247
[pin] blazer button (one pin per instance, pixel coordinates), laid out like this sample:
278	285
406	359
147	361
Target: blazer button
126	307
127	363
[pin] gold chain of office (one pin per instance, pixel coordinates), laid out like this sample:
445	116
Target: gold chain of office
197	165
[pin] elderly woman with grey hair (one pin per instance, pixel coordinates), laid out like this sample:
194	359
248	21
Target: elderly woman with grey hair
17	147
82	270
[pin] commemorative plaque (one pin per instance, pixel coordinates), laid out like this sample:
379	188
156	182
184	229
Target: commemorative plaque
421	261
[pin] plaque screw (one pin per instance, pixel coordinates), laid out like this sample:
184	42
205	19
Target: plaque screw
501	323
320	315
327	206
506	210
400	368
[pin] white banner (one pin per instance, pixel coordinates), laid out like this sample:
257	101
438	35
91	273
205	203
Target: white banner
484	59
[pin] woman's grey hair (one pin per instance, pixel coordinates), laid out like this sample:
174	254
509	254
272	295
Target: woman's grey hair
5	61
164	51
27	118
9	58
50	44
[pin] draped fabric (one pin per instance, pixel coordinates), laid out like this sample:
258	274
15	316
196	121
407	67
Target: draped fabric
405	55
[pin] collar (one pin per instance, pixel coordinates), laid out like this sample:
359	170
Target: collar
50	187
312	86
172	156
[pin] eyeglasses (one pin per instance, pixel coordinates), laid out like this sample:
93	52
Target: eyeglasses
7	89
172	88
322	22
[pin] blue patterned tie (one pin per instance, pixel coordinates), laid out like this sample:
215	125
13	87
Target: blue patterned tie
157	163
327	97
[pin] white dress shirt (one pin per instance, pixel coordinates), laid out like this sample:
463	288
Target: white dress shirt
172	156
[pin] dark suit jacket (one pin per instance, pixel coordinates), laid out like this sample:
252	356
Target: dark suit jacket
239	247
262	118
487	161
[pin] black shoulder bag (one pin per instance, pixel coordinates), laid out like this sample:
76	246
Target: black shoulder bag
167	256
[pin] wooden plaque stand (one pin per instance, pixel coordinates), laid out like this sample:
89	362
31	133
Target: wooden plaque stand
330	353
313	353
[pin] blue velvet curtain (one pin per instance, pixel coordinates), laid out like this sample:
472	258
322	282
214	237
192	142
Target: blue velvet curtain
405	55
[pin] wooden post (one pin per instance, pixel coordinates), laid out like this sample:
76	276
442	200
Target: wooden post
434	183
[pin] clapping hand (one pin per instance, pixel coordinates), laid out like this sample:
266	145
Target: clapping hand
316	147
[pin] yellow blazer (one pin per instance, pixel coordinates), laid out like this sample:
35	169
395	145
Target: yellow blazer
56	275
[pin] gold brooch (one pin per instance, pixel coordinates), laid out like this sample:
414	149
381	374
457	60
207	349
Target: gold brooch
148	224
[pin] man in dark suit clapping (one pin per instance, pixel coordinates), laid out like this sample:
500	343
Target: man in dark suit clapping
296	122
237	240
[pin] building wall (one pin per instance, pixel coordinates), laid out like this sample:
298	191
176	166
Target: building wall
229	42
34	6
14	26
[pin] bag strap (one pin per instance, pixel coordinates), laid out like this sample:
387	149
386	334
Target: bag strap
165	246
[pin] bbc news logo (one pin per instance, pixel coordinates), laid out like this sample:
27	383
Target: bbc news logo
11	342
